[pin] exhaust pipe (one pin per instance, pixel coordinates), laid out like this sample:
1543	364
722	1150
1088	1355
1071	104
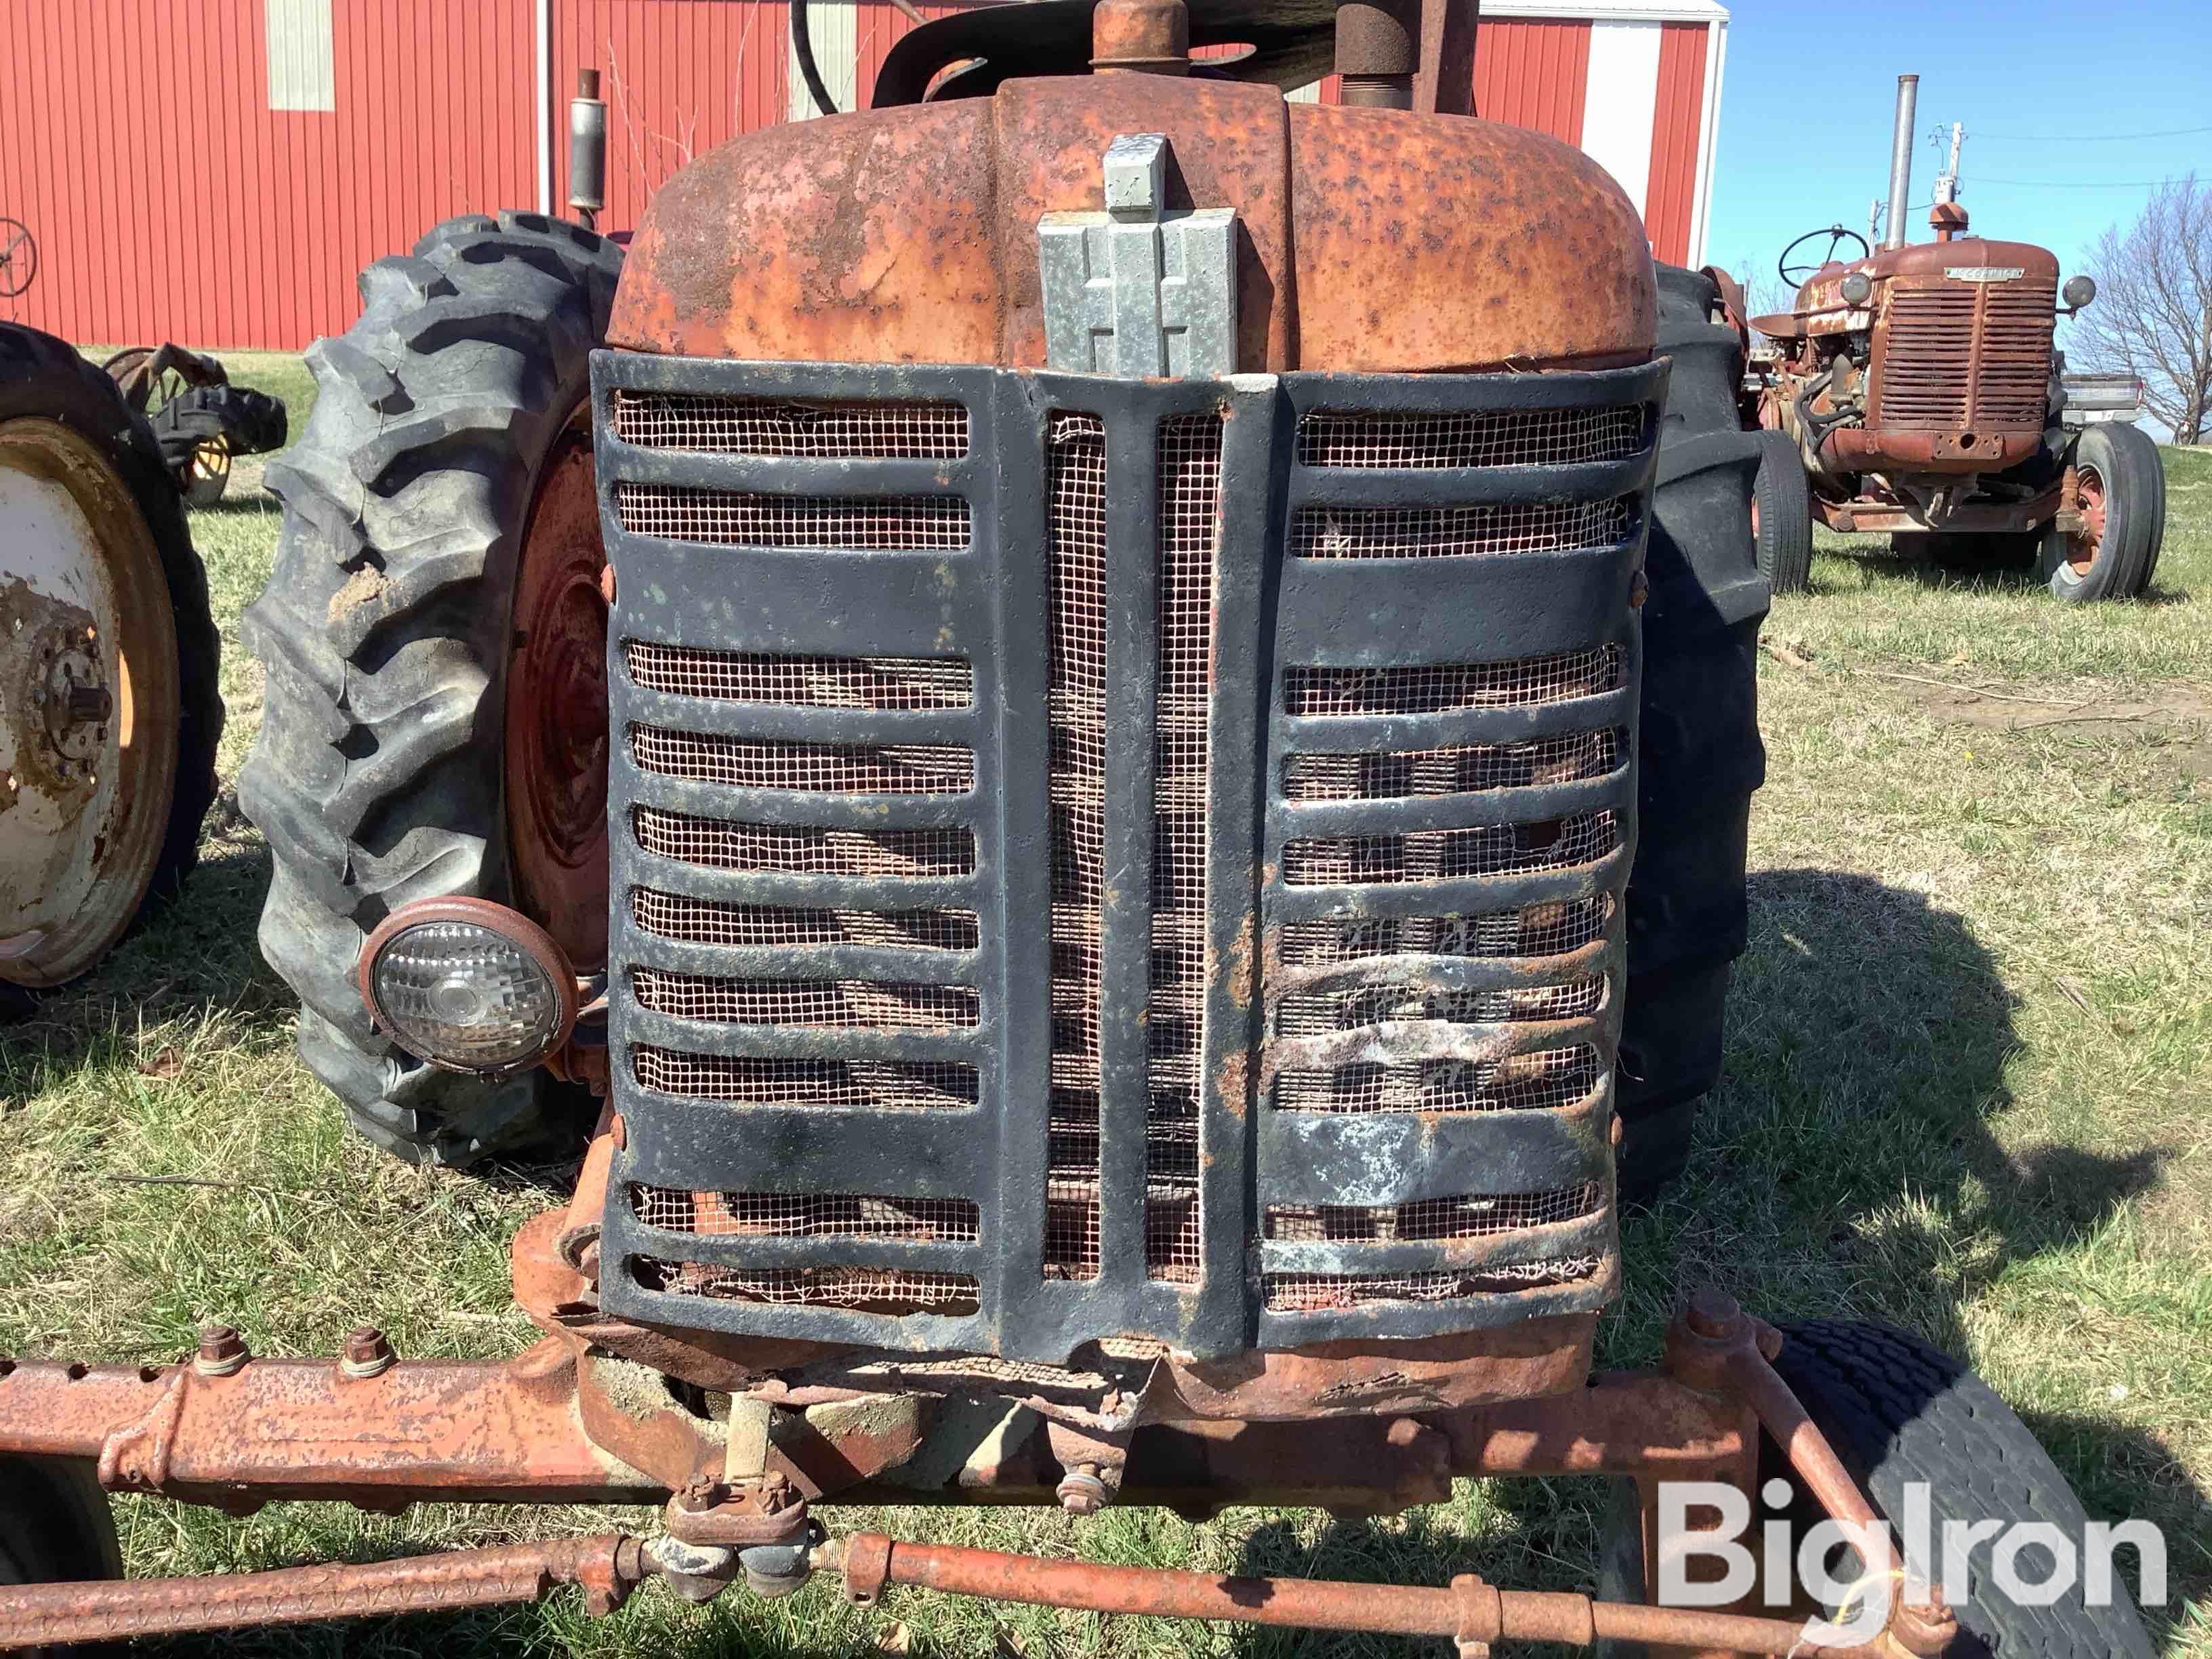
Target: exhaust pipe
588	150
1900	158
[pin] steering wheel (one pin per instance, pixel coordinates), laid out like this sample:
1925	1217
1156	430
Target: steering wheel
1835	233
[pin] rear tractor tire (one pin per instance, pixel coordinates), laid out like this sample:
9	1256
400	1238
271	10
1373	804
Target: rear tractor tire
110	706
1701	756
435	646
1782	513
2120	494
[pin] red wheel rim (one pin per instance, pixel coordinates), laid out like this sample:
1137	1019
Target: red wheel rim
556	709
2082	545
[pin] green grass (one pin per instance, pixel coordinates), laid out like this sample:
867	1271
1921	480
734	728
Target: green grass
1969	1054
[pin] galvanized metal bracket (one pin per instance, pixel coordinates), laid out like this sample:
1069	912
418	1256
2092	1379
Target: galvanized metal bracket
1139	290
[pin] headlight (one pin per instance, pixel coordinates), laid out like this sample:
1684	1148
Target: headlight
468	985
2079	291
1857	288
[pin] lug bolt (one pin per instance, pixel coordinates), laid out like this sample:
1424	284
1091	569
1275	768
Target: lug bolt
1712	1313
368	1353
1081	1491
222	1352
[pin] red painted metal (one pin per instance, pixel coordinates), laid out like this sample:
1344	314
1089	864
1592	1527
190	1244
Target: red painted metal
679	78
1534	73
1677	123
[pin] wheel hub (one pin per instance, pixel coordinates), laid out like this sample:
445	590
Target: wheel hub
87	703
2082	545
556	709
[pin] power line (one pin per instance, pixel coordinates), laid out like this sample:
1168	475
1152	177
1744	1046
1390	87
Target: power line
2082	137
1973	179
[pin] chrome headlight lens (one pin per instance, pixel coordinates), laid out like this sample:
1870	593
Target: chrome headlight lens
2078	291
468	986
1857	288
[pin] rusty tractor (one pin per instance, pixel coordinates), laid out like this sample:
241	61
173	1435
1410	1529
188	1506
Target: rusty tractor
1047	702
1918	394
109	712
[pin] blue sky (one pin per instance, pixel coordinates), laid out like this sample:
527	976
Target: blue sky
1810	88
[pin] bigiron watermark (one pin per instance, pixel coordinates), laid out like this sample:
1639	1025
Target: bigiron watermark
1710	1555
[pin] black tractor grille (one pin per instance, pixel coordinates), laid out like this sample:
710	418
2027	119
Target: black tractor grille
1117	857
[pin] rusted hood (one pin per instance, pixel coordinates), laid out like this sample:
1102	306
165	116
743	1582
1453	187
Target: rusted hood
1372	241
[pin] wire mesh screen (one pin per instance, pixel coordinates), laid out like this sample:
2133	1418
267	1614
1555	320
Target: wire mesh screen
1459	769
1450	855
1076	710
891	1291
786	427
1534	930
1369	438
1547	1080
1189	449
807	1215
709	921
1441	688
801	682
831	768
1337	1292
732	518
763	1080
793	849
859	1004
1477	1215
1433	533
1318	1013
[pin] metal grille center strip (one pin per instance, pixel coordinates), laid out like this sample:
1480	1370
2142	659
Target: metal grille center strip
1058	894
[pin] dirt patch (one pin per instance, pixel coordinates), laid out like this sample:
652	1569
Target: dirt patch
2177	719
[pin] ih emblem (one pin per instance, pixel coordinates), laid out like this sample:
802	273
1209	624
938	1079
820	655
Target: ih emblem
1139	290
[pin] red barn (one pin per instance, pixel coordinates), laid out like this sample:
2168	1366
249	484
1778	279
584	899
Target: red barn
216	171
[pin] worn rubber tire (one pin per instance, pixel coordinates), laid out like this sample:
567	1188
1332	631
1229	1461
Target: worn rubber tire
1700	753
384	631
55	1529
1785	513
40	375
1897	1411
2135	518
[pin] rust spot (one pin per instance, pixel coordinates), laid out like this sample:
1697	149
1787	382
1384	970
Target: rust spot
909	235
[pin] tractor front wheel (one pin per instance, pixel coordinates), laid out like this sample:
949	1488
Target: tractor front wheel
436	640
2118	498
1782	513
55	1527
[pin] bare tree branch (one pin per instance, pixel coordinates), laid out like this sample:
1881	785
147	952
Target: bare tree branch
2153	314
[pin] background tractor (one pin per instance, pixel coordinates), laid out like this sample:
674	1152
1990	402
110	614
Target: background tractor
109	712
1053	711
1918	393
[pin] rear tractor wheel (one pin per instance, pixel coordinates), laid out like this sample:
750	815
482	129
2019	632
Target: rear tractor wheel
109	710
437	646
2119	501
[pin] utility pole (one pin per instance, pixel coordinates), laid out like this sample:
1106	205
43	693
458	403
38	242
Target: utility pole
1873	222
1946	184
